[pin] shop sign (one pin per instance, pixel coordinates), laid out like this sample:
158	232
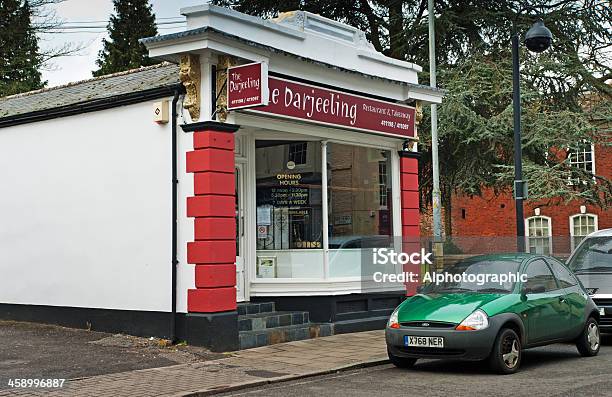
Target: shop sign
310	103
341	220
289	196
289	193
247	86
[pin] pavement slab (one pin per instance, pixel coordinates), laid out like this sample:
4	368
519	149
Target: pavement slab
247	368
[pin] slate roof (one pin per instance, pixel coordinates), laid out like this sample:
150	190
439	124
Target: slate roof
89	91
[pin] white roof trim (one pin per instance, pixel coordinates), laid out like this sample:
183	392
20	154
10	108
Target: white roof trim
378	57
298	32
204	9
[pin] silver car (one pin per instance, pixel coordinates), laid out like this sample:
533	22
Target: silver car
591	262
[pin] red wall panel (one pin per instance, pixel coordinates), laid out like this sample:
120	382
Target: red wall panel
210	160
214	183
211	205
211	300
211	251
214	276
213	139
215	228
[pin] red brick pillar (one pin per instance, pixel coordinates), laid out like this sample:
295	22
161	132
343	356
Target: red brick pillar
409	182
214	250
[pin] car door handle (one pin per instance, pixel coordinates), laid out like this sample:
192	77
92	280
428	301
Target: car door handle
562	299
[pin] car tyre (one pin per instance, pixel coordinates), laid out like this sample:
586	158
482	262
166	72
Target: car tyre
401	362
589	342
506	355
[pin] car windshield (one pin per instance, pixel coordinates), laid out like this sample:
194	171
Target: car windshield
480	276
593	255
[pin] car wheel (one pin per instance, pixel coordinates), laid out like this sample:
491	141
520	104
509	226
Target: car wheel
506	355
589	341
401	362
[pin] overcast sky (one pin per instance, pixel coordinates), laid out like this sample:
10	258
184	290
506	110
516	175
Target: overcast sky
94	13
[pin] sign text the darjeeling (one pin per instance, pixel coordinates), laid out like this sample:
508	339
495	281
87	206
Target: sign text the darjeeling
315	104
309	102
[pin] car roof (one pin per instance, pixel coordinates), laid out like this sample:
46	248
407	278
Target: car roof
601	233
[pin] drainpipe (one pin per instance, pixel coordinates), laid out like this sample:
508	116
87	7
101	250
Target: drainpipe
175	99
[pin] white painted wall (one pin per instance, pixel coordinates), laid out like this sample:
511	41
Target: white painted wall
85	211
185	272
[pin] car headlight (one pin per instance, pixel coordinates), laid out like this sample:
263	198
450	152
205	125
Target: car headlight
393	321
474	322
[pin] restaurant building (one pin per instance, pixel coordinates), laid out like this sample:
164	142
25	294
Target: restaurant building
224	201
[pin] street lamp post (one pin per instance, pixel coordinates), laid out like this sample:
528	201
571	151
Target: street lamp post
435	166
537	39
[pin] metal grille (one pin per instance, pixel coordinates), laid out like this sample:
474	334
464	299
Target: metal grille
603	302
605	322
432	324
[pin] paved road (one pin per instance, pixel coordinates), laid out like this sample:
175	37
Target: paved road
555	370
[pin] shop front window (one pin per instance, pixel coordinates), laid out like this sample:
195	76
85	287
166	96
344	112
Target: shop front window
359	205
289	219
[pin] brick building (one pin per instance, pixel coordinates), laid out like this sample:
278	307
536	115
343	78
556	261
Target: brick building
551	225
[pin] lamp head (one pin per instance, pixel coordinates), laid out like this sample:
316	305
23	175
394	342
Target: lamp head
538	38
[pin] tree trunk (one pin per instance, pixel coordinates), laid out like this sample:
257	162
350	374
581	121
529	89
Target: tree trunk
364	6
396	29
448	212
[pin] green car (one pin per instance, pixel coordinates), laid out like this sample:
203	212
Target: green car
469	319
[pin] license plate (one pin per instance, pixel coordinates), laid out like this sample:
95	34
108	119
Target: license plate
423	341
602	311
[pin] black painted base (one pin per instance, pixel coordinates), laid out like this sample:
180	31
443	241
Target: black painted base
139	323
349	313
217	331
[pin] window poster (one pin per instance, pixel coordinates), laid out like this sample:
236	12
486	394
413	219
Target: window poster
266	267
264	215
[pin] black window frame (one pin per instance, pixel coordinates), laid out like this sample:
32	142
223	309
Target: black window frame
298	149
549	269
552	262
